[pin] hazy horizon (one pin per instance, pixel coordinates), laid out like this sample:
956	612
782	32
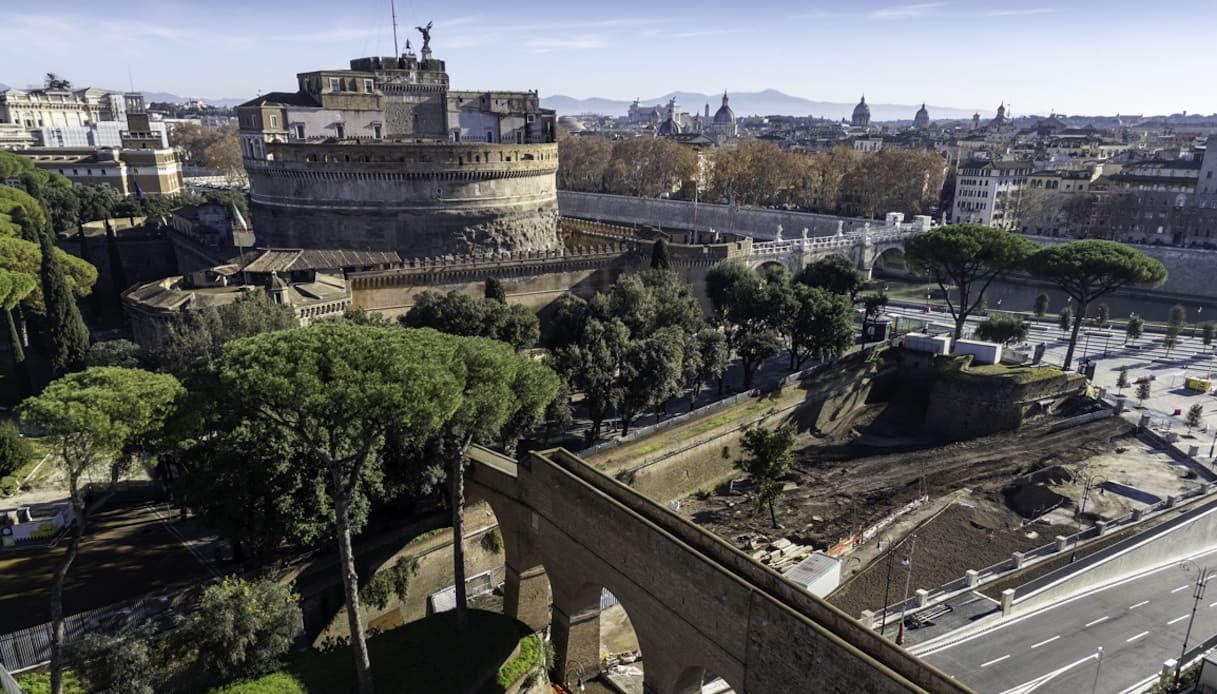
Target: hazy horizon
1090	57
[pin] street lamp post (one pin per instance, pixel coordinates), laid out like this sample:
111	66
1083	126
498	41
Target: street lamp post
1198	310
887	590
1097	670
1202	576
908	579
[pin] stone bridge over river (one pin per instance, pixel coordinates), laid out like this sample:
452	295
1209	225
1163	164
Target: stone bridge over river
792	239
697	604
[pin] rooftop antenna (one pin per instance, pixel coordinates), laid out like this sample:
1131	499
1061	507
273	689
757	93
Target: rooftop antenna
393	10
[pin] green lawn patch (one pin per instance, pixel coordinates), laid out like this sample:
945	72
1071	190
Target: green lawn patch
40	683
429	655
957	368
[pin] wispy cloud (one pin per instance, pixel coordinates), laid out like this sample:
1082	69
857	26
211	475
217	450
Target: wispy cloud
1021	13
812	14
566	44
906	11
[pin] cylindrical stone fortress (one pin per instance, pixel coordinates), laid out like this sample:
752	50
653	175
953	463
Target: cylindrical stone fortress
419	200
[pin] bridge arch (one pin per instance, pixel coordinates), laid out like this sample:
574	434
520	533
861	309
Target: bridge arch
762	264
890	261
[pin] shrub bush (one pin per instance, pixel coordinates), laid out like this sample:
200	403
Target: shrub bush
525	660
15	451
40	683
9	485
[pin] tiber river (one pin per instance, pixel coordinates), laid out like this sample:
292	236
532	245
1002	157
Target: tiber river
1020	296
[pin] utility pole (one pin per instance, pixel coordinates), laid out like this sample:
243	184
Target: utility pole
1097	670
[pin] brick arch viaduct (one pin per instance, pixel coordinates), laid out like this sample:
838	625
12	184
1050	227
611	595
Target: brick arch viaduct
696	603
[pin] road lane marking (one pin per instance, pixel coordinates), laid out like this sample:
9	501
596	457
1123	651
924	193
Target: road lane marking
1136	637
1100	619
995	660
1143	602
1041	643
1182	587
1213	604
1177	619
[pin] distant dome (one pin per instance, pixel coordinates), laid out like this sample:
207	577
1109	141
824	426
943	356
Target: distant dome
572	124
921	121
861	116
724	115
668	128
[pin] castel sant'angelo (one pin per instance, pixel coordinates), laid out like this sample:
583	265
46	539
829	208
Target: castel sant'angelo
385	157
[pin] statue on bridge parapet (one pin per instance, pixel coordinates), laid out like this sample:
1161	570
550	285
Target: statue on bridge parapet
840	227
804	234
779	234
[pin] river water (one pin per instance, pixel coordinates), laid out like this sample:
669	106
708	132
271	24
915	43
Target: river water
1020	296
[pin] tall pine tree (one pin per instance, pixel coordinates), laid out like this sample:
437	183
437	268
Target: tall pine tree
67	338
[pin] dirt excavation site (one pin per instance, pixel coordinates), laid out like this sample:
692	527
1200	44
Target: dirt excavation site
969	503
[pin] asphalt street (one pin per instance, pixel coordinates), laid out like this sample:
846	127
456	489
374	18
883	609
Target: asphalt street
1139	623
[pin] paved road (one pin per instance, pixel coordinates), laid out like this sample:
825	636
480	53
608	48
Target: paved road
1139	623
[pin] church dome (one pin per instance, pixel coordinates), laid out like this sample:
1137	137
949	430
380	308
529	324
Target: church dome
921	121
861	114
724	115
668	128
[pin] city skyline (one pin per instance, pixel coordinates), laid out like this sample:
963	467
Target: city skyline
1088	58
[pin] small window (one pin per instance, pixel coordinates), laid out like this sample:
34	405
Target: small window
376	131
335	84
274	121
367	86
341	131
300	132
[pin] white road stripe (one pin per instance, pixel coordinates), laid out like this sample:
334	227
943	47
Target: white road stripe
995	660
1130	640
1177	619
1041	643
1182	587
1213	604
1143	602
1100	619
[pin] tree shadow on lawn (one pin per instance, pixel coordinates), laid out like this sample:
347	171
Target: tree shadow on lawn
428	655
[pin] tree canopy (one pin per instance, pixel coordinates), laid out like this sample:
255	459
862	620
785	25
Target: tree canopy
1092	268
767	459
460	314
967	257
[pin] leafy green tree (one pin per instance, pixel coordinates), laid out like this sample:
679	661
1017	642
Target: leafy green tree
1170	339
768	453
1195	417
1122	380
558	413
63	204
1135	327
822	324
660	259
705	359
1002	329
593	366
460	314
199	335
1064	319
494	290
833	273
333	394
124	353
240	629
66	337
118	663
754	348
15	451
1143	391
1177	317
362	316
967	257
1041	305
15	287
873	305
102	417
1102	315
97	202
1089	269
651	373
1207	332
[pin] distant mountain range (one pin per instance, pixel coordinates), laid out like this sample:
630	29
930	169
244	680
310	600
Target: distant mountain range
769	102
150	97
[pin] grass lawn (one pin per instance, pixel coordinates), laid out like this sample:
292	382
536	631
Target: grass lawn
954	368
429	655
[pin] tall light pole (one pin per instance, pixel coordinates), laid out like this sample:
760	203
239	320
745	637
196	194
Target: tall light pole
1202	577
1091	482
1094	688
908	579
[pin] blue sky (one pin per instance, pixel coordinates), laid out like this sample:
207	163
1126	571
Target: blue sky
1074	56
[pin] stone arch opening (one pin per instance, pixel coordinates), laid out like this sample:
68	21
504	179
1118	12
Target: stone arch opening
891	263
765	266
697	679
593	633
